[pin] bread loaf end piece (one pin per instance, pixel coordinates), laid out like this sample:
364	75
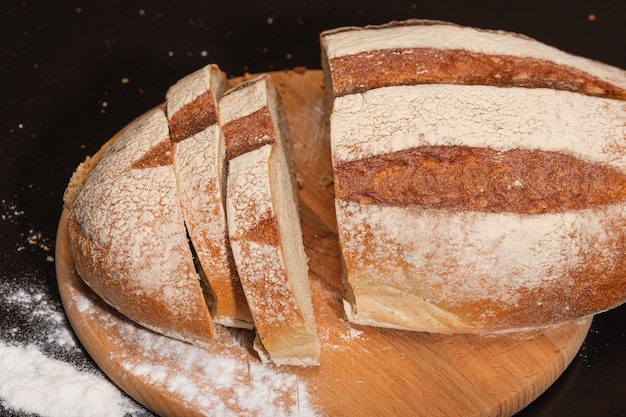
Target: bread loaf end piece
127	237
199	160
264	225
480	178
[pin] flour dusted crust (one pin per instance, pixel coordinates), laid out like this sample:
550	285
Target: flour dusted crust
444	226
479	181
200	165
127	236
425	51
264	225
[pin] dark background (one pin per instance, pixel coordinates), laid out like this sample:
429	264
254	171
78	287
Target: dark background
72	73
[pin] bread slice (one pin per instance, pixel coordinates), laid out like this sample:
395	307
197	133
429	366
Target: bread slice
264	225
127	237
200	166
480	178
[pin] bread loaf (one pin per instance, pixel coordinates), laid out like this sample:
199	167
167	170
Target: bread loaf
200	165
480	178
161	180
480	186
264	225
127	237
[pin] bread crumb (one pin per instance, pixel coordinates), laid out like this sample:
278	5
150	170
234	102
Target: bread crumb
326	180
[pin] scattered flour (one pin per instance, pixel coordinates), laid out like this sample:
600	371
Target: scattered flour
34	383
351	334
224	382
42	313
40	375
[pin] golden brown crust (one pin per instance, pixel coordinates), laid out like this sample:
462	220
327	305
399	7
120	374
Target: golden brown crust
581	291
247	134
382	68
157	156
264	232
461	237
482	272
133	302
480	179
82	171
193	117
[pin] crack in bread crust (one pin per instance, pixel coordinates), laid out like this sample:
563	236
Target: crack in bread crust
157	156
194	117
480	179
249	133
373	69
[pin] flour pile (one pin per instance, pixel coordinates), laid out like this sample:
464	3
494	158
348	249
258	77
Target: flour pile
40	376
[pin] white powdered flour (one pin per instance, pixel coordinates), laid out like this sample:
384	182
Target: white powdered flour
219	383
40	367
34	383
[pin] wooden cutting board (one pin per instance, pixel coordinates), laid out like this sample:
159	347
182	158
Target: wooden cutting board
364	371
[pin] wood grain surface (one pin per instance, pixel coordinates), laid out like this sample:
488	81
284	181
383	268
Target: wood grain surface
364	371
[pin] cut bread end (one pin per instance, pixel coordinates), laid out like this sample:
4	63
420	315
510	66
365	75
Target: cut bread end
139	264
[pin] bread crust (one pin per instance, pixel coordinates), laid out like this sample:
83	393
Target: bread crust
480	179
452	166
250	133
368	70
127	236
449	271
425	51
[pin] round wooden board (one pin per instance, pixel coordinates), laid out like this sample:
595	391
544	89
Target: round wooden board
364	371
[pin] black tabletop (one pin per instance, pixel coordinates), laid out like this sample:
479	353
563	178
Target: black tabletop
72	73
